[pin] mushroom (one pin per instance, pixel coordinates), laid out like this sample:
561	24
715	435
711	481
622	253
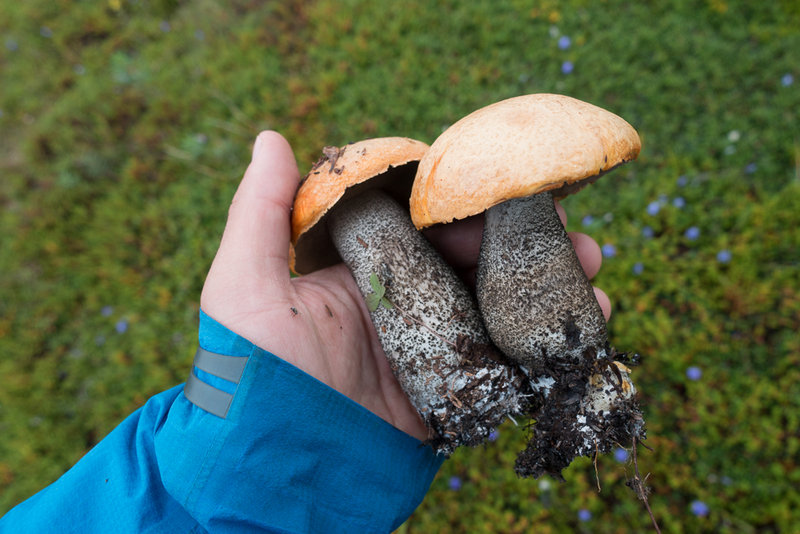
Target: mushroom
510	159
426	320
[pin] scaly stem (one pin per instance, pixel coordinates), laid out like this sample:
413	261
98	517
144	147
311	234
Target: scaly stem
461	395
541	311
537	303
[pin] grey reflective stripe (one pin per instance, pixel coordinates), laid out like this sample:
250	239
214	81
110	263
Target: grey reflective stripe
209	398
228	367
206	396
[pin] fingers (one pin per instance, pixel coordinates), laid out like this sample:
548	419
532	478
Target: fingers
586	248
591	258
459	242
588	252
255	244
604	301
562	213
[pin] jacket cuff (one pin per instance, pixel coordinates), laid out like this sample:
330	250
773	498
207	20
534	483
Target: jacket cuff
291	453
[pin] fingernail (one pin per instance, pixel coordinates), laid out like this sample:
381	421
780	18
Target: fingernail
257	146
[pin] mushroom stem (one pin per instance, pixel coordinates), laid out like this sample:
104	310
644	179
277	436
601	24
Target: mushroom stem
536	300
540	310
429	325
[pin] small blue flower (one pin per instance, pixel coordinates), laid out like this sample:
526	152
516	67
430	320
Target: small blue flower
584	515
648	232
454	483
493	435
787	80
682	180
699	508
751	168
692	233
122	326
567	67
200	35
724	256
164	26
587	220
638	268
621	455
694	373
107	311
564	42
12	45
45	32
653	208
609	250
678	202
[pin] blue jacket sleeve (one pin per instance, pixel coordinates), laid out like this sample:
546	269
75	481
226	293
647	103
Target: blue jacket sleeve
281	452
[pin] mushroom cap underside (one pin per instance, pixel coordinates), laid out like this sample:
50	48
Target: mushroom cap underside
515	148
385	162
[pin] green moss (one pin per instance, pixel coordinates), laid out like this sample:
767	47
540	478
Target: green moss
127	125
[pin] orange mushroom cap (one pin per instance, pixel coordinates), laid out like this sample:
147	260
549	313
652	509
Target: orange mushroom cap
386	162
516	148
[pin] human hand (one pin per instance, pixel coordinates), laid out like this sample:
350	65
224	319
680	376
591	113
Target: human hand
319	322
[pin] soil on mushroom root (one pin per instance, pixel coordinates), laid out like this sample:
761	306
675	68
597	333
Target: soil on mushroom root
473	412
560	427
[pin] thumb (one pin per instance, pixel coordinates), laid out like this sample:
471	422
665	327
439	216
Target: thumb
253	255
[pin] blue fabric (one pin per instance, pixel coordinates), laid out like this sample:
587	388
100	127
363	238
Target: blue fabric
217	382
292	455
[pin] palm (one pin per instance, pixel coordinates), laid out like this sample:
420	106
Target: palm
320	324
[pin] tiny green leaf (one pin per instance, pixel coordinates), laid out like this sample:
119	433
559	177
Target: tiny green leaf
373	300
377	287
377	298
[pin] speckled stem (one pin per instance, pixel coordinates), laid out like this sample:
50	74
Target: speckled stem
541	311
536	301
433	330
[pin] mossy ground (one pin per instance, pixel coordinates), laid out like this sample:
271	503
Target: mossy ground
126	125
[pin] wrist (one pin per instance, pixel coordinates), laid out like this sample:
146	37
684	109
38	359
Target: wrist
291	450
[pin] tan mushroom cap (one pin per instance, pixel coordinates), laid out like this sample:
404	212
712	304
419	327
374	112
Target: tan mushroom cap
516	148
345	170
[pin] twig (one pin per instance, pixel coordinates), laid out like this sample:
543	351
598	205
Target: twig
639	487
596	474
